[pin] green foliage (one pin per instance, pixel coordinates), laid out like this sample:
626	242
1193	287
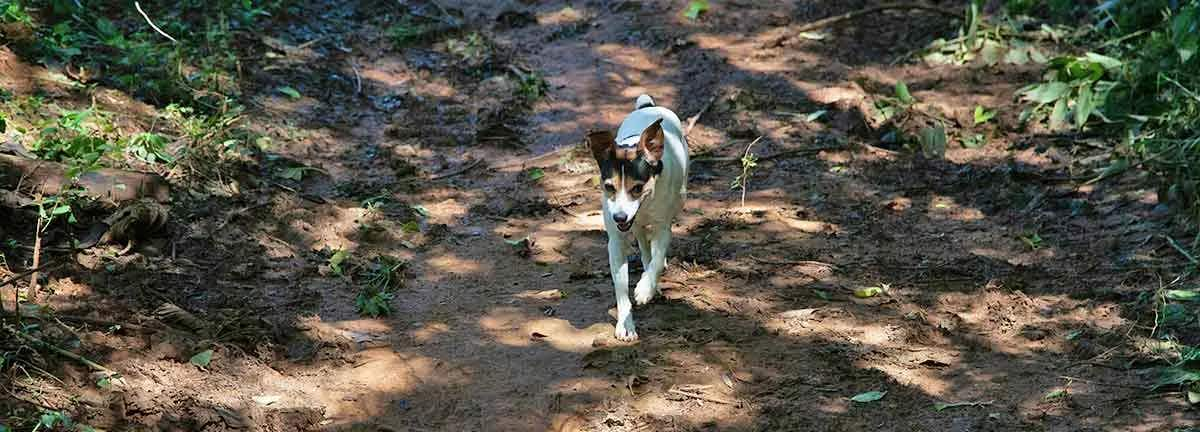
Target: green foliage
695	8
1073	91
383	276
532	86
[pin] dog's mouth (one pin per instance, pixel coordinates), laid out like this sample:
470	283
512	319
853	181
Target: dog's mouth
625	226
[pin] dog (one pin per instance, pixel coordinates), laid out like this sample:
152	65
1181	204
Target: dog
643	172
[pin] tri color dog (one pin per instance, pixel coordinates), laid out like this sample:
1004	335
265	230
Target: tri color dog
643	168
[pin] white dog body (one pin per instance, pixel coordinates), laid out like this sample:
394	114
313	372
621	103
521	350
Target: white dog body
644	168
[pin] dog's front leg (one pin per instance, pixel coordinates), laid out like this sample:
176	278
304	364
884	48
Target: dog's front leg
647	286
618	263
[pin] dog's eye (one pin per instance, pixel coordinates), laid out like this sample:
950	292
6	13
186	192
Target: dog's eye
637	190
610	189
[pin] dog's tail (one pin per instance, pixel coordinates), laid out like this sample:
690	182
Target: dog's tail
643	101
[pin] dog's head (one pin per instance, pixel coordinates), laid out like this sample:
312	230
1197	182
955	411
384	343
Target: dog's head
628	169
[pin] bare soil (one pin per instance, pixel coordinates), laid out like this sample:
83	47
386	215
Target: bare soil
759	328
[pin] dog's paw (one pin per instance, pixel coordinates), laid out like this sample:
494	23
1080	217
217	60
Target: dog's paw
626	332
645	290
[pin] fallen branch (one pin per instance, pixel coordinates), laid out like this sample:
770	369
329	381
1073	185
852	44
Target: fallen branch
693	119
826	22
35	341
51	178
789	262
782	154
446	175
701	397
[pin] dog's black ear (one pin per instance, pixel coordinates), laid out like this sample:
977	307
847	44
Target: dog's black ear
601	143
652	141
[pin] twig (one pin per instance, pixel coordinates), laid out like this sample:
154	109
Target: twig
702	397
1101	383
445	175
826	22
528	161
1181	250
693	119
33	340
788	262
148	21
357	78
782	154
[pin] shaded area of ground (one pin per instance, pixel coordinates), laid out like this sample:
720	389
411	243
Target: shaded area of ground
759	329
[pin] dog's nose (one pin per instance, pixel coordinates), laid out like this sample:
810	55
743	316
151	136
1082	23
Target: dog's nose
620	217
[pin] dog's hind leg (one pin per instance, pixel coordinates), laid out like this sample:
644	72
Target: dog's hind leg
618	263
648	285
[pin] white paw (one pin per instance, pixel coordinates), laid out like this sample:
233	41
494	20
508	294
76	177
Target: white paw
645	290
625	331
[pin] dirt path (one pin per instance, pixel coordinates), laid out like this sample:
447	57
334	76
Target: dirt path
759	329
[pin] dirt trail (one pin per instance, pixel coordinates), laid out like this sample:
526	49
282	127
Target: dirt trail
759	329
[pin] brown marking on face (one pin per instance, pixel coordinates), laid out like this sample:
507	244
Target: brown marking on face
630	169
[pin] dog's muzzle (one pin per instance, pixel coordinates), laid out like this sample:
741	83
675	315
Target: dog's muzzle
623	221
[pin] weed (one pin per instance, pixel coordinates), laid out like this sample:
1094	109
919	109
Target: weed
410	30
1033	240
749	162
383	276
532	86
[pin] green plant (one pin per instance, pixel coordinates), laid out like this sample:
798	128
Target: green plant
1074	90
532	86
749	162
382	276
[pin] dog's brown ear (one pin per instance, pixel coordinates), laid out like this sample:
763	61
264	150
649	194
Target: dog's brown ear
653	141
601	143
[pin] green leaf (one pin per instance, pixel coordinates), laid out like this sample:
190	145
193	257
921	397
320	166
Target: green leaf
411	227
421	210
1056	394
1104	61
870	396
903	94
1182	295
1176	375
335	261
868	292
1074	334
942	406
1058	117
933	141
1084	105
695	8
293	173
821	294
1174	314
536	174
289	92
983	115
1047	92
202	359
104	383
974	141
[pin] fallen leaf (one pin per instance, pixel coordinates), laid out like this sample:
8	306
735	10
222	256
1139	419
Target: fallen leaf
695	8
870	396
868	292
202	359
289	92
1057	394
266	400
536	335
